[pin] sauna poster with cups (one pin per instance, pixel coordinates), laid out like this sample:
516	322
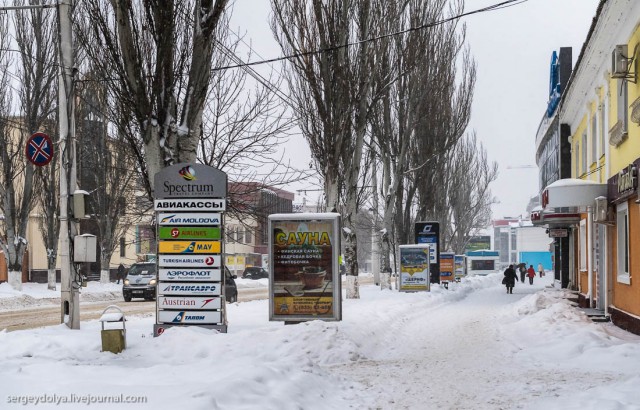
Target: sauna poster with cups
304	264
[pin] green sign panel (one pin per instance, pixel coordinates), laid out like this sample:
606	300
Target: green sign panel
189	232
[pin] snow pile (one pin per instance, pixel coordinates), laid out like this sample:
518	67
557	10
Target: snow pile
37	294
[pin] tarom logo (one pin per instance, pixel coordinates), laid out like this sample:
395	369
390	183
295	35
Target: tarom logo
188	173
178	318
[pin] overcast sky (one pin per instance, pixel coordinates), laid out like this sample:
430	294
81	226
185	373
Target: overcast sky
512	48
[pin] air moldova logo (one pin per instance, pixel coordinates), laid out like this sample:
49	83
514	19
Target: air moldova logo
188	173
39	149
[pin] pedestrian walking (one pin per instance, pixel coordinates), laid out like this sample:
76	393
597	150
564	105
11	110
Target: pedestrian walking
540	270
531	274
510	278
523	271
120	274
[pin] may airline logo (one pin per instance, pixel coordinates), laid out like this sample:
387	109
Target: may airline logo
188	173
189	247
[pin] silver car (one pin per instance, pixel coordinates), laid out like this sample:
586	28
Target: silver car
140	282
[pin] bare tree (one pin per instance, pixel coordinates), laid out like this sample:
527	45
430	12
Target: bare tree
469	198
36	70
106	171
331	86
159	54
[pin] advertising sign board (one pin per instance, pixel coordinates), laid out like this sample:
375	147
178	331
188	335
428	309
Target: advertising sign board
190	289
188	247
429	232
189	232
189	199
189	302
414	268
190	181
191	261
200	205
190	317
190	274
188	218
303	259
558	232
447	267
458	265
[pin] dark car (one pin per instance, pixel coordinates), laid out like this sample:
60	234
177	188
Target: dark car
230	288
255	272
140	282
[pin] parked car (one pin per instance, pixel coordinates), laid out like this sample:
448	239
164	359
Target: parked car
140	282
255	272
230	288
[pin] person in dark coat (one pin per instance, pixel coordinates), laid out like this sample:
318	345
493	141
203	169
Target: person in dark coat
510	278
523	271
120	274
531	273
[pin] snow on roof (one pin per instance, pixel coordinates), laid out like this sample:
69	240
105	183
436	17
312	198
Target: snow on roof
572	182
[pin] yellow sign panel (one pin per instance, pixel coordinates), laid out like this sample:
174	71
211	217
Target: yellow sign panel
315	306
189	247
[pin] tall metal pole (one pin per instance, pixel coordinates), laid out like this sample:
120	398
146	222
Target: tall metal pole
70	283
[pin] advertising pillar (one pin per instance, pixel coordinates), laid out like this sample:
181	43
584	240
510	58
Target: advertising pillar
429	233
189	202
304	282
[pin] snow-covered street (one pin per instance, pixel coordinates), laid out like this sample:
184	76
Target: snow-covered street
469	347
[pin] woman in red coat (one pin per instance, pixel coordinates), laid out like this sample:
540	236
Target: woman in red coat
531	274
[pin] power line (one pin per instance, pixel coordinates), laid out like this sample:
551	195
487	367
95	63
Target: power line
497	6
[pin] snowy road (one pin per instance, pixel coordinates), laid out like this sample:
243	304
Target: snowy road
458	356
470	347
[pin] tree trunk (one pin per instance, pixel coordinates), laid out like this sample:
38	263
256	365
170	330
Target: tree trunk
51	278
15	279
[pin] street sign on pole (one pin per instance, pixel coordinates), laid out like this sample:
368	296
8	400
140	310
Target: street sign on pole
39	149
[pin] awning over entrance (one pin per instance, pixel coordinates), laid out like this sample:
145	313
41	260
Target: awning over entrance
572	193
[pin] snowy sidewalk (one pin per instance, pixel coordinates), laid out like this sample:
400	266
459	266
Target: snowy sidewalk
470	347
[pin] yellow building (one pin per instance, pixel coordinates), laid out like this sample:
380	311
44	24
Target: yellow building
601	108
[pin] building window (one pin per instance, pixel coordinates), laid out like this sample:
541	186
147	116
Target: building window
584	152
583	245
247	236
240	235
594	139
622	226
603	135
622	96
230	232
576	161
122	248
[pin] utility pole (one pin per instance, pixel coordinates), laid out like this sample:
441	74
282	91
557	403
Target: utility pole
70	279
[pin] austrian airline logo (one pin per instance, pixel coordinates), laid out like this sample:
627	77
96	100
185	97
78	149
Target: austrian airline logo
188	173
206	302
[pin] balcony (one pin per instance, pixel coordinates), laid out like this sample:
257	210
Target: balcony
618	134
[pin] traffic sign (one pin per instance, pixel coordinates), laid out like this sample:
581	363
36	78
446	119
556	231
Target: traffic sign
39	149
